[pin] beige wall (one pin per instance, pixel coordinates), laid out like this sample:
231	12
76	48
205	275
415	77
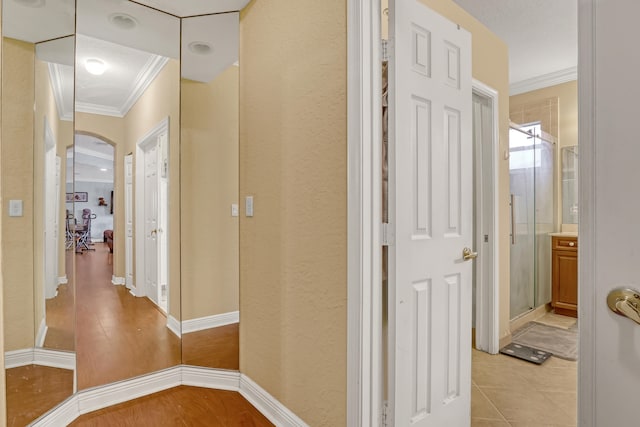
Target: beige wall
209	177
17	183
3	403
160	100
567	97
293	160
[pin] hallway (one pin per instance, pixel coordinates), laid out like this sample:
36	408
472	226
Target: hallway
119	336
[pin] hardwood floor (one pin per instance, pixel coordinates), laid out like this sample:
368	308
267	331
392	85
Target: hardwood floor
179	406
119	336
32	390
213	348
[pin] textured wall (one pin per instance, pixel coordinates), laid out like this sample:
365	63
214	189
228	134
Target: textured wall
17	183
209	177
293	160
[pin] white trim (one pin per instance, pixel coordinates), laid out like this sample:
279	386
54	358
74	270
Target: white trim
174	325
143	80
587	402
41	357
488	294
364	175
138	197
62	280
111	394
218	379
55	76
42	333
208	322
546	80
269	406
117	281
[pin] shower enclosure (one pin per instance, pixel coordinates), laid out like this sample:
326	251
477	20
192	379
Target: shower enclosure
531	172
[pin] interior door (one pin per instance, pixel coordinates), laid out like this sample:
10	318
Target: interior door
128	220
151	222
431	211
50	218
609	366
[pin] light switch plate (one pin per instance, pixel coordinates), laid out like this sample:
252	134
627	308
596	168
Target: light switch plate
15	207
248	206
235	210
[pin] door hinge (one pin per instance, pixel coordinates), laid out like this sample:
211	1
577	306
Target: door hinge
385	50
386	414
388	238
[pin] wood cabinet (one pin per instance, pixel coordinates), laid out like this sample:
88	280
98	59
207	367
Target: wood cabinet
564	297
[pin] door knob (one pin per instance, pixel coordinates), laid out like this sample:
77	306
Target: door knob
625	302
467	254
153	232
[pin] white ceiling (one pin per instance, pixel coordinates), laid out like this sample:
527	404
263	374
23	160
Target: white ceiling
90	156
184	8
542	36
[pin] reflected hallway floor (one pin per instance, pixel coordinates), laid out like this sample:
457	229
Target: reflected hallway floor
119	336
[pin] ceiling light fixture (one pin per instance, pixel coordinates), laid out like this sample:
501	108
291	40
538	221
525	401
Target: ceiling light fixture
200	48
30	3
95	66
103	169
123	21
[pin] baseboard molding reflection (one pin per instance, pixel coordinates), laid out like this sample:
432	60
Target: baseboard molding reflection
174	325
118	281
42	333
40	356
208	322
111	394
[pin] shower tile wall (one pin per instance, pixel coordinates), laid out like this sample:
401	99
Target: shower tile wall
544	111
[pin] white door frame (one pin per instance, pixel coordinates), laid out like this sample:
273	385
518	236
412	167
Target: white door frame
50	283
128	216
488	291
364	217
149	138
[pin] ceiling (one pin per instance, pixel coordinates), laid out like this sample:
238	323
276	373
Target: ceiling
93	160
542	36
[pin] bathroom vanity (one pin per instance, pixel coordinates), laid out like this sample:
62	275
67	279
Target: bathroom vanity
564	253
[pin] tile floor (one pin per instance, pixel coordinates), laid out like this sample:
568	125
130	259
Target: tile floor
506	391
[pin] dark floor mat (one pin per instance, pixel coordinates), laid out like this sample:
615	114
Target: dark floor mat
524	352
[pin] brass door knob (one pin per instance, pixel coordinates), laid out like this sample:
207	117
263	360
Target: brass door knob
467	254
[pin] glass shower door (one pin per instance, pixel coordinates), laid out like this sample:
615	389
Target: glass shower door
522	161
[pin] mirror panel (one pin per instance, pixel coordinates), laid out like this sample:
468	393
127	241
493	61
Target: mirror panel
127	100
210	174
38	272
570	184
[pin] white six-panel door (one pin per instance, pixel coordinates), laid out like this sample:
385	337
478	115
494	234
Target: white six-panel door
151	222
431	212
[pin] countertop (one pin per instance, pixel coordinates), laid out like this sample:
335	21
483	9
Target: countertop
565	234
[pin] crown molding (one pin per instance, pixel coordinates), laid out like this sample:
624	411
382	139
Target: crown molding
546	80
55	76
145	77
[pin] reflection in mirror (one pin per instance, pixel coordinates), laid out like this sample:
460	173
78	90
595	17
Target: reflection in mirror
127	122
37	131
210	174
570	185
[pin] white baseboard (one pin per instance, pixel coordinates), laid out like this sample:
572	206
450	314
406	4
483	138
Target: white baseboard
101	397
218	379
42	333
62	280
118	281
40	356
268	405
208	322
174	325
